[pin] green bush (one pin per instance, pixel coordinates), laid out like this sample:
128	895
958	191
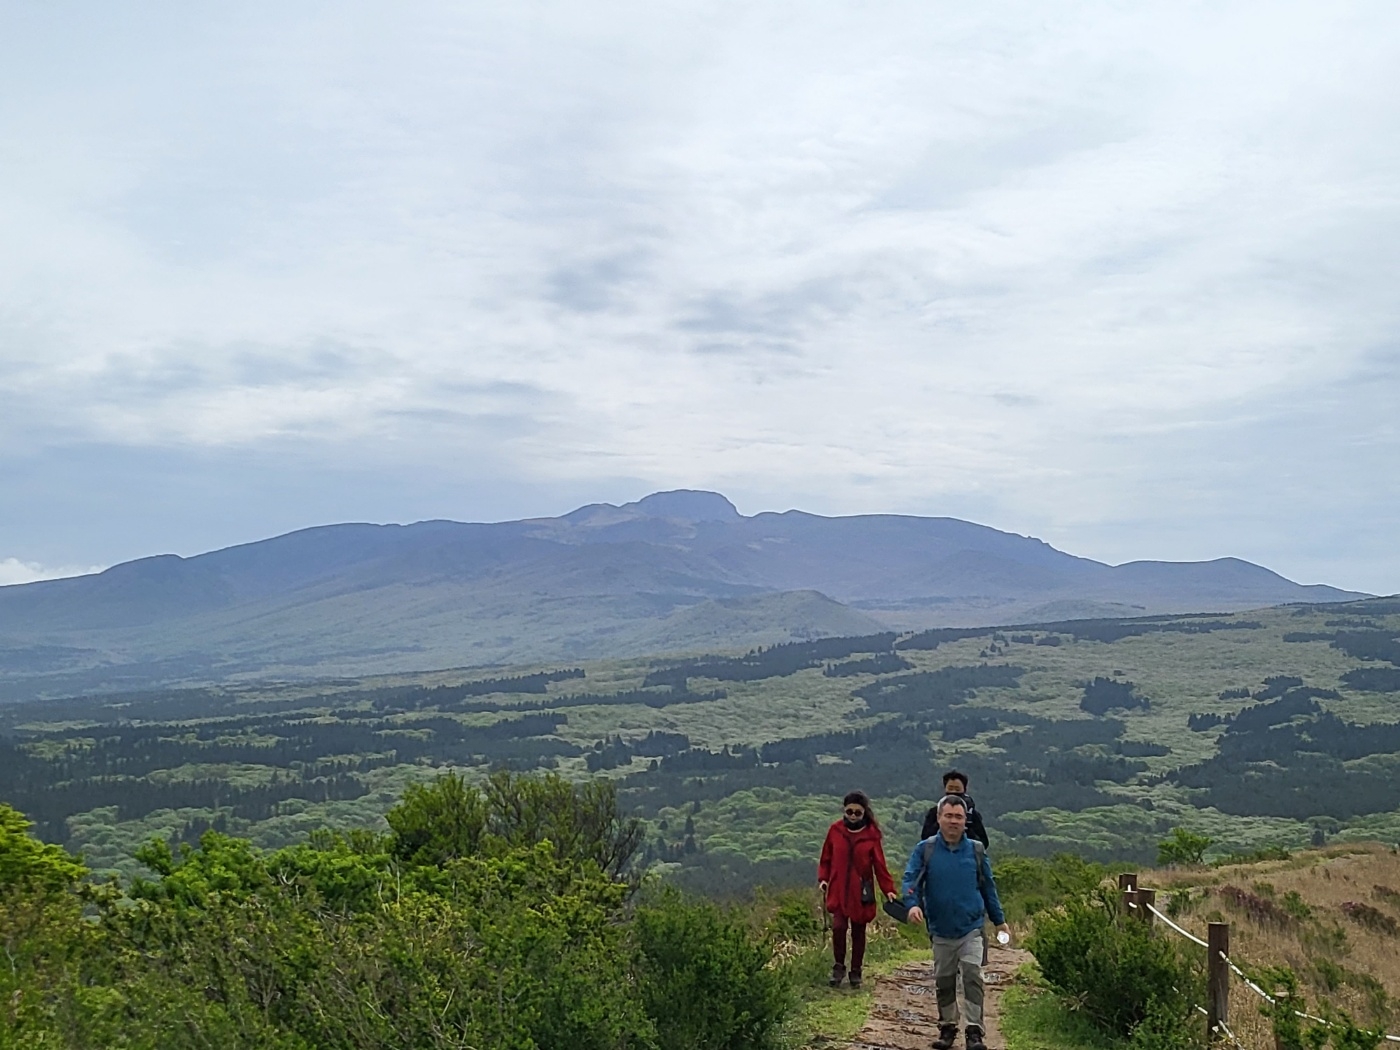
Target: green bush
1028	885
339	944
1114	969
705	977
439	822
794	916
1182	847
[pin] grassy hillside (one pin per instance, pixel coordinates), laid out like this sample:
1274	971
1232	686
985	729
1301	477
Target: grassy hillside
1331	916
1275	727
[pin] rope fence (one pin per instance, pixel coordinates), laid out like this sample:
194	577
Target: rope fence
1219	965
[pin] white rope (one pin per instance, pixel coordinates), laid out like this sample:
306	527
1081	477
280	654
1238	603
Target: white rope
1260	992
1241	975
1185	933
1247	982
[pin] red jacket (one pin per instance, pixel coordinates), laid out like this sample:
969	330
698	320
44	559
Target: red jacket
847	858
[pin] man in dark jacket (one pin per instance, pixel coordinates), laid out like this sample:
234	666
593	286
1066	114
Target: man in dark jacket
948	881
955	783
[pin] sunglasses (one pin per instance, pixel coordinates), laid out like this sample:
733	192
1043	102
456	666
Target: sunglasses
854	811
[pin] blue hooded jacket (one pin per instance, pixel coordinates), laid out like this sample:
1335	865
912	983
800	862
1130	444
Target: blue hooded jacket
953	903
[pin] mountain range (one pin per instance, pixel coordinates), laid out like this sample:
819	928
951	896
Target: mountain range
678	571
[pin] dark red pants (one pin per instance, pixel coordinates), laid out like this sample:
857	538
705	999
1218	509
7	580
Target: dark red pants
839	923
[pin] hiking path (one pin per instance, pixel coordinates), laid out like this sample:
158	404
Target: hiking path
905	1013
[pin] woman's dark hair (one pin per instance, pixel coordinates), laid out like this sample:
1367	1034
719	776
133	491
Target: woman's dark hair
861	799
953	774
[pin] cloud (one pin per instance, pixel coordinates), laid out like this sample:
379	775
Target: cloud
1075	276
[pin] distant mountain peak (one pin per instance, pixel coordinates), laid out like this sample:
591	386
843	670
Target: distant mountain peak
686	505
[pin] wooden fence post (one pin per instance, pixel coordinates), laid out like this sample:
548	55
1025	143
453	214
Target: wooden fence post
1217	978
1145	900
1127	890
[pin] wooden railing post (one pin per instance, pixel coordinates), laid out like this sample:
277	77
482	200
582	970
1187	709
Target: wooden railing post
1127	891
1217	978
1145	900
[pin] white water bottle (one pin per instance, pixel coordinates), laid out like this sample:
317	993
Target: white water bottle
1003	937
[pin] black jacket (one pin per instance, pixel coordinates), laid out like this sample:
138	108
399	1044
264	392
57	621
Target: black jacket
975	828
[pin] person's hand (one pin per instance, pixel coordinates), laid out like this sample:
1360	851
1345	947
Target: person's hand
821	885
916	914
1004	929
891	896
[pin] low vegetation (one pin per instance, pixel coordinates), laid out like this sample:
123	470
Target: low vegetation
497	918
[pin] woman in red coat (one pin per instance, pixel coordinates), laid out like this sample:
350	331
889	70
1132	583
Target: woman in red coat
853	853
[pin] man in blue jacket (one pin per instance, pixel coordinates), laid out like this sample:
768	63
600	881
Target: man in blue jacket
948	881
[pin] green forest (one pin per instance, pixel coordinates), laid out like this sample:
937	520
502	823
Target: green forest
1273	728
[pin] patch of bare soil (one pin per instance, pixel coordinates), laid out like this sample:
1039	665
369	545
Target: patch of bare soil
905	1014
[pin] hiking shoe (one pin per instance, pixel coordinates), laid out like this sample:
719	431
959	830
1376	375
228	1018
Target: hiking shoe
974	1039
838	974
947	1036
855	978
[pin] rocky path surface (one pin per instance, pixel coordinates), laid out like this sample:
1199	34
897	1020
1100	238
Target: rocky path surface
905	1014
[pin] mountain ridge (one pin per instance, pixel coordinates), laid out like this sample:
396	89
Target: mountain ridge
602	580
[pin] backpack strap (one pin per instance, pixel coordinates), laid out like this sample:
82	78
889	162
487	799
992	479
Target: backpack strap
979	854
923	875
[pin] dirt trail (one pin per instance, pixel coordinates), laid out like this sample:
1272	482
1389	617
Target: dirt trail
905	1014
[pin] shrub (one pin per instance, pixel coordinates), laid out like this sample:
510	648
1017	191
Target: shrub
1289	1031
1257	908
794	918
1028	885
1179	902
1162	1029
705	978
1114	969
1330	941
1182	847
1294	906
1371	918
1252	856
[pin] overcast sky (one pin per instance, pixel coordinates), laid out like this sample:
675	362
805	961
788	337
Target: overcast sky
1121	275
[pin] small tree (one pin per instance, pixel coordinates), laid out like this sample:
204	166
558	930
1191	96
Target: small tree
438	822
27	862
450	819
1182	847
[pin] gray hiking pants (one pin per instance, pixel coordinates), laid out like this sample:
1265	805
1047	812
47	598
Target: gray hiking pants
951	957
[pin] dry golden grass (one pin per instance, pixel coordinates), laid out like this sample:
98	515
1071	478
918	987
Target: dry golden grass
1344	955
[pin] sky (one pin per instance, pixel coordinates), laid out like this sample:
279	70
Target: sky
1120	276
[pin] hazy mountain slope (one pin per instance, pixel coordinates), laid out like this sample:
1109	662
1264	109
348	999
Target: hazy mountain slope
675	571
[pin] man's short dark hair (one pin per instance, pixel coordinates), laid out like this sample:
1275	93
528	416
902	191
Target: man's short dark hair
952	800
954	774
